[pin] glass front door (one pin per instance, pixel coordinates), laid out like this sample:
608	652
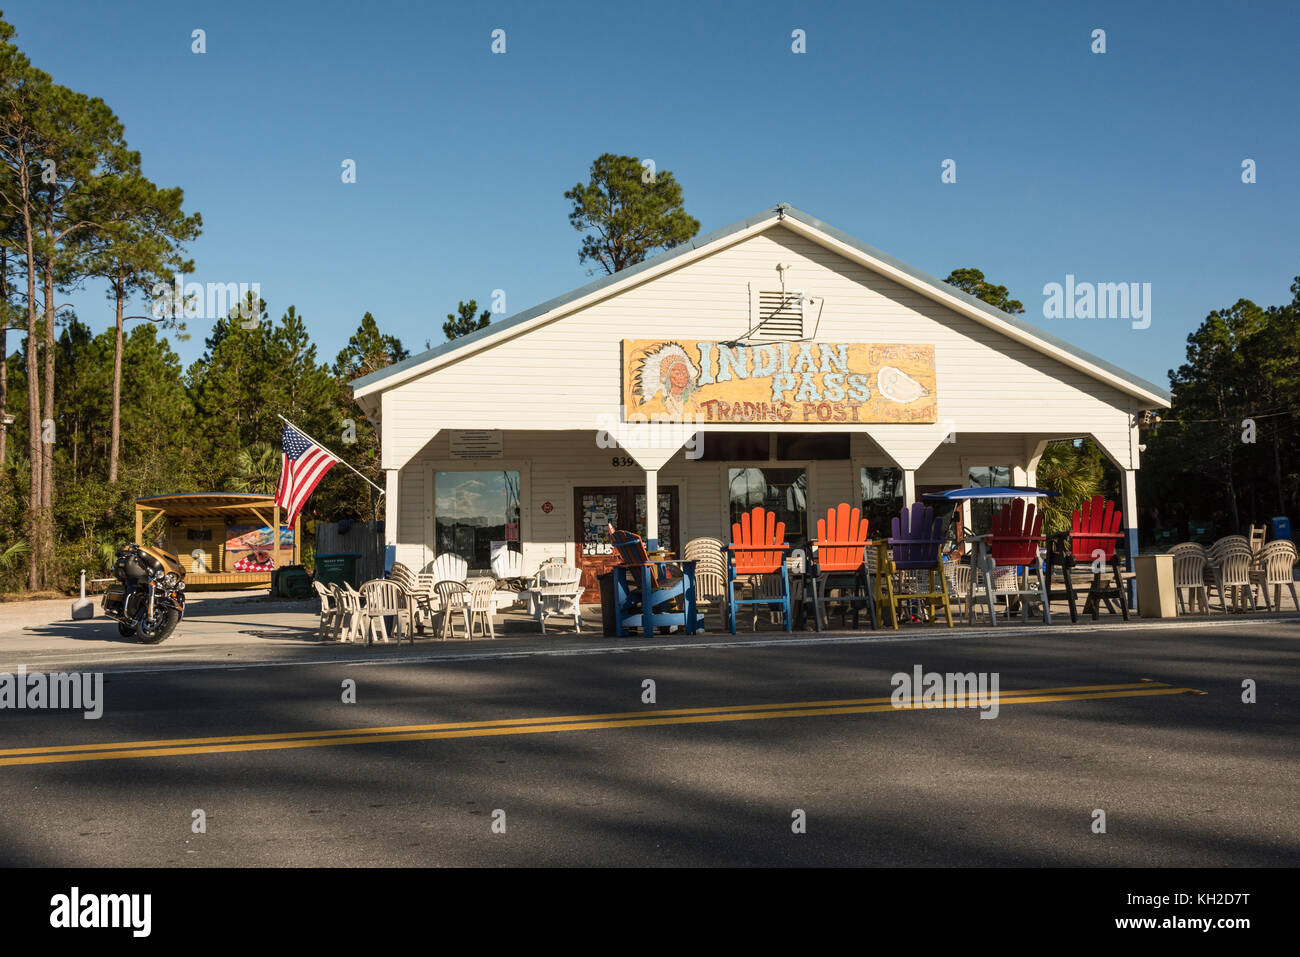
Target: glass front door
595	509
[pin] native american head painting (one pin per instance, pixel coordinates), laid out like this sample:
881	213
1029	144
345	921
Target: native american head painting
666	369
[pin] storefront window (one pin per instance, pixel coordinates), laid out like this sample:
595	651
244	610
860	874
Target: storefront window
733	446
981	510
782	491
882	499
473	510
812	445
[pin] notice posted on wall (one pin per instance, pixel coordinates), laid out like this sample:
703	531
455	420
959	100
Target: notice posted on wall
476	443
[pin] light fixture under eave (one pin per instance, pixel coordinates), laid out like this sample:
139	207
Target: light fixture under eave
1147	419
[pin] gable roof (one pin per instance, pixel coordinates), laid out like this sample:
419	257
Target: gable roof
814	229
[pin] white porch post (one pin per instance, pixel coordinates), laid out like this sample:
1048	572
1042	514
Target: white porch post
1034	449
391	477
909	486
1128	486
652	447
651	509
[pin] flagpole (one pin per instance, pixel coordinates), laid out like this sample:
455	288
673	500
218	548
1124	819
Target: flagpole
339	457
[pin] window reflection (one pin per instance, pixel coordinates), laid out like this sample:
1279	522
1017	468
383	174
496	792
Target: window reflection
882	499
474	509
781	491
982	510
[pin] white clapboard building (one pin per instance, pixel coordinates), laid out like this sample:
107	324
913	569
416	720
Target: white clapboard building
778	361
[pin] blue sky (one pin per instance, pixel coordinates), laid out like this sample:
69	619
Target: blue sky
1115	167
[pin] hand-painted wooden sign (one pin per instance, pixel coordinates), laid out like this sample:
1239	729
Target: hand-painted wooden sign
694	381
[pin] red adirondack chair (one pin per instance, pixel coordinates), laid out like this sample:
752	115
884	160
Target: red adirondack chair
758	547
1095	531
1013	544
840	550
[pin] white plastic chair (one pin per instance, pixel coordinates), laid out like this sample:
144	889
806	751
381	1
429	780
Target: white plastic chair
1189	576
1274	568
382	598
959	583
329	611
480	606
508	568
1211	576
448	567
453	600
559	588
1223	544
1235	564
710	573
767	586
416	604
348	623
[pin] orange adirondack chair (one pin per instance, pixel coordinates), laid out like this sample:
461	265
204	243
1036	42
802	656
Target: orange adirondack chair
839	549
1095	530
758	547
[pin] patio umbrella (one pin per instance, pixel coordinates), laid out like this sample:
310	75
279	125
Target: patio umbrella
945	503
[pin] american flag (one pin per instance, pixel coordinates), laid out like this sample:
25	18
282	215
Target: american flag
302	466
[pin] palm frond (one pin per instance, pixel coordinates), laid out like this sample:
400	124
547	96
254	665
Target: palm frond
13	553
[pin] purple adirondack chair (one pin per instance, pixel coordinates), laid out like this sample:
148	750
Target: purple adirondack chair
914	546
917	537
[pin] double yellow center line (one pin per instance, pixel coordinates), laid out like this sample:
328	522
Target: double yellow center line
176	747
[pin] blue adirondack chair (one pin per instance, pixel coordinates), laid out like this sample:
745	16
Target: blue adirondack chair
645	589
916	545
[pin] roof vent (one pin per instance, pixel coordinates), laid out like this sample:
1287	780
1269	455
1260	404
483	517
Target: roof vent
779	315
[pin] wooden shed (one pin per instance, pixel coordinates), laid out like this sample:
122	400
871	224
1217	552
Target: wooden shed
223	539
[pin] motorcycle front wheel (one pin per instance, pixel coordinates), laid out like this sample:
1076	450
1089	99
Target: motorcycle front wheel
153	631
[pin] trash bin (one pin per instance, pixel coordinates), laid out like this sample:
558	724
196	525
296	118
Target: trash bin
337	569
608	615
292	581
1281	528
1155	586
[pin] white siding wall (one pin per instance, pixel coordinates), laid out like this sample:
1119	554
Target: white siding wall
552	464
566	374
563	381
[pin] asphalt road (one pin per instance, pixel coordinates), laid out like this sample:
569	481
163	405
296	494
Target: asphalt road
1186	773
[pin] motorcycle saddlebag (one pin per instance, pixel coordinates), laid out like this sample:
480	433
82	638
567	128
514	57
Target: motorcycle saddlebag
114	596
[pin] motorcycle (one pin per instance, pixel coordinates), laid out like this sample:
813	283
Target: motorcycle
148	599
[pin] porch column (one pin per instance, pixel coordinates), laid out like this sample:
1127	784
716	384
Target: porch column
1128	493
391	477
909	486
651	509
1034	449
652	445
